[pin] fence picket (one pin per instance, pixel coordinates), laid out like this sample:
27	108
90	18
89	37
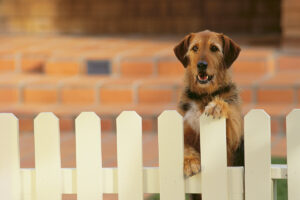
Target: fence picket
293	153
129	152
88	156
171	149
47	157
258	182
9	157
213	158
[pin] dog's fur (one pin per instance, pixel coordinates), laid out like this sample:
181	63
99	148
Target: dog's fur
218	97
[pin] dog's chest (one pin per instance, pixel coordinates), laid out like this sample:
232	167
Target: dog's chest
192	117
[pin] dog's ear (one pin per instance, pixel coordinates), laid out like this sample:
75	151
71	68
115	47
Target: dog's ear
181	49
231	50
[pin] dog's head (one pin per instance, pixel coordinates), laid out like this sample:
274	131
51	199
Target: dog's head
206	56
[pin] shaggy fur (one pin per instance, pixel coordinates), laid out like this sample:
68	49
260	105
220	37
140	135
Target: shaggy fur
209	90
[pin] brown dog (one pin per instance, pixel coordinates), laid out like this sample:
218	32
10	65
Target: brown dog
207	57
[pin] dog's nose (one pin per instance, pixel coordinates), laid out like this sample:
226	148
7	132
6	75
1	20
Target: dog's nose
202	65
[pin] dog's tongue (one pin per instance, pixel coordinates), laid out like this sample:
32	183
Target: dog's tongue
203	77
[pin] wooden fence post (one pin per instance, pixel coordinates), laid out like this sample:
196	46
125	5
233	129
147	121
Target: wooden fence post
170	141
293	154
47	157
213	158
129	151
88	156
10	178
258	182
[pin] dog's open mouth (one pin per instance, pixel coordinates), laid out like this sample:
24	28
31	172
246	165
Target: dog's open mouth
204	78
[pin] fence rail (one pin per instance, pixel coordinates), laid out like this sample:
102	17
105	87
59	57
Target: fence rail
130	180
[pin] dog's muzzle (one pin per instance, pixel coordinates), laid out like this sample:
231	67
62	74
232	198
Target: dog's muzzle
204	78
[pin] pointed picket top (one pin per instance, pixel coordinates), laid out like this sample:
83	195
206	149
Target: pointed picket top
293	153
129	114
294	114
10	180
130	156
257	113
46	116
83	116
170	114
257	141
171	148
9	116
88	156
47	145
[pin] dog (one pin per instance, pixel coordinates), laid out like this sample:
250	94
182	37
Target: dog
208	88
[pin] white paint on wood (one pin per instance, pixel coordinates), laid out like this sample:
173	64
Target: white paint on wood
47	157
129	152
151	180
235	183
88	156
293	154
110	180
28	184
279	171
9	157
258	183
171	155
213	158
48	180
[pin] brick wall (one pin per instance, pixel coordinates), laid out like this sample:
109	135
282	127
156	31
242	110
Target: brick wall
291	22
134	16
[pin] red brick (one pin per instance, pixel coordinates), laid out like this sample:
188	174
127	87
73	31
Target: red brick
279	148
170	68
246	95
148	125
66	124
250	67
63	68
40	95
7	65
116	96
26	124
78	95
32	65
136	68
289	63
107	125
255	53
283	78
152	95
9	95
246	79
275	95
274	109
275	126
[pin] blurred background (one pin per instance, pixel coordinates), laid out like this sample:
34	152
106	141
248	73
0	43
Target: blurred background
69	56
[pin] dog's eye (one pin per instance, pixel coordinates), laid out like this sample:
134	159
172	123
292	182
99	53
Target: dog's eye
195	48
213	48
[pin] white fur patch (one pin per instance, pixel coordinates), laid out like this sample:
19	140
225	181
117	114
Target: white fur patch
192	117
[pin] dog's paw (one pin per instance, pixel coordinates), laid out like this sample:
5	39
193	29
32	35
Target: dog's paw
191	165
217	109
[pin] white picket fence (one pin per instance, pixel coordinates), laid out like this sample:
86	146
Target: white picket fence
48	181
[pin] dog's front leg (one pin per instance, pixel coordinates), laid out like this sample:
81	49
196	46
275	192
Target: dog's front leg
191	161
217	108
